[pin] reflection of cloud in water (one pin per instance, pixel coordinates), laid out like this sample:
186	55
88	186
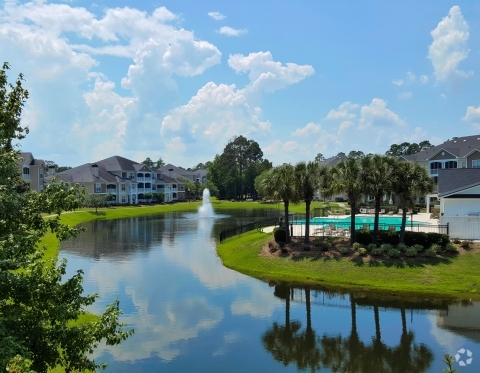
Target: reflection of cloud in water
155	334
450	342
260	302
228	339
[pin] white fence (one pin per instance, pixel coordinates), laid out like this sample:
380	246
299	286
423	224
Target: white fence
463	227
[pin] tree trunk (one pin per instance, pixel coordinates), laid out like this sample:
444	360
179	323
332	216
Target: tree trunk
287	224
307	221
404	223
307	303
404	321
376	219
354	314
378	335
352	222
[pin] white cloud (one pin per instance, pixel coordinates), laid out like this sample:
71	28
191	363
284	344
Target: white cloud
309	129
404	95
472	115
410	79
449	46
216	16
398	82
423	79
229	31
376	114
344	111
265	74
443	95
345	125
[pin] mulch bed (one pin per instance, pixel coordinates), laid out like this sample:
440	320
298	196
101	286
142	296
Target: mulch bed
330	248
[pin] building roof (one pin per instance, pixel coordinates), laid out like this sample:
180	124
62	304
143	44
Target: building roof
333	161
459	147
117	163
83	174
192	175
453	180
27	159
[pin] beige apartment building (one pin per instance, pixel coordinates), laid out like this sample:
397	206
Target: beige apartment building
128	181
32	170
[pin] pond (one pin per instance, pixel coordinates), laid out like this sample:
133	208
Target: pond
191	314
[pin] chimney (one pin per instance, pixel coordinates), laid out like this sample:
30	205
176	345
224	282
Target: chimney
51	170
95	170
170	172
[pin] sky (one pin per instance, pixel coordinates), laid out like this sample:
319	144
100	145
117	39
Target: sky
178	79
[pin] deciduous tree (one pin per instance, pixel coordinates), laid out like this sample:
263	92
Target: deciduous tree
37	303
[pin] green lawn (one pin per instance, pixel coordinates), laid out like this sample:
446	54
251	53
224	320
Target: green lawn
457	277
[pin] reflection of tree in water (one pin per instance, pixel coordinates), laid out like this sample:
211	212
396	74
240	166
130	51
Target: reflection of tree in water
290	345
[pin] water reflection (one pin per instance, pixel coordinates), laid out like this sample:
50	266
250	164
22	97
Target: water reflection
190	313
290	344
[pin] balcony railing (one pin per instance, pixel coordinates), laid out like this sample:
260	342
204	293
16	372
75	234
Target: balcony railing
434	171
110	190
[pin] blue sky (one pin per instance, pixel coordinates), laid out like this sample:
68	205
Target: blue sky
179	79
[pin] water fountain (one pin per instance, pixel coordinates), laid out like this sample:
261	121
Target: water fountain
206	210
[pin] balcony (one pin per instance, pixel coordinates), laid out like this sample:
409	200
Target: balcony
111	190
144	190
434	172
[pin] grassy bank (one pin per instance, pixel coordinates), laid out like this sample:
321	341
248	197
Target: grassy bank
458	277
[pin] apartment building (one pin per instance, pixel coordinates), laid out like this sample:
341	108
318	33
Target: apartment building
128	181
177	172
32	170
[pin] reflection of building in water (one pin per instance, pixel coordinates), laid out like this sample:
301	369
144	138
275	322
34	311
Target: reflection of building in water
462	319
117	238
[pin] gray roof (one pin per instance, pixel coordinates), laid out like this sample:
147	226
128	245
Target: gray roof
459	147
452	180
333	161
117	163
83	174
192	175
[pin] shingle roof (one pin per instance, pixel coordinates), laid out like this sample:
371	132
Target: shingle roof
459	147
25	158
333	161
83	174
117	163
451	180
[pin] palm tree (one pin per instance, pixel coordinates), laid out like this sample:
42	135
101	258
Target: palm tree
308	181
378	182
411	180
348	178
280	184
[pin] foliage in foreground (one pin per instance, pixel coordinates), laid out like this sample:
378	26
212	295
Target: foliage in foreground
37	304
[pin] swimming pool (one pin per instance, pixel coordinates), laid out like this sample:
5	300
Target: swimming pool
385	222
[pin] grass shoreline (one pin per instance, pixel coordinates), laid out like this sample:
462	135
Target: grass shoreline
458	278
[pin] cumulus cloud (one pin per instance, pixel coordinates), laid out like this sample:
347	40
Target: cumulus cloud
423	79
398	82
472	115
410	79
376	114
344	111
404	95
265	74
56	46
216	16
229	31
308	130
449	46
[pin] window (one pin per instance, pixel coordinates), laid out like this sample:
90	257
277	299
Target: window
464	164
124	175
123	187
161	186
26	171
174	186
476	163
98	188
434	166
124	199
131	175
154	187
451	164
41	176
174	195
133	187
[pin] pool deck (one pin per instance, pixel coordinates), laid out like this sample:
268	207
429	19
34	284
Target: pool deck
299	230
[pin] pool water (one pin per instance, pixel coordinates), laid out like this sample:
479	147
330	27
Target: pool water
392	220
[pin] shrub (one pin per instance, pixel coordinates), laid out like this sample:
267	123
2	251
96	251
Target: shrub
410	251
386	247
356	246
393	253
451	248
344	250
390	237
233	200
280	235
435	247
430	252
437	238
416	238
402	247
419	248
371	247
363	236
377	251
362	251
466	244
456	240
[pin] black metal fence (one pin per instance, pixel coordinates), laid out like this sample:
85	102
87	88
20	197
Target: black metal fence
230	232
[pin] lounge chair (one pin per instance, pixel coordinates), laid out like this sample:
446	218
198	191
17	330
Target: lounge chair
363	211
392	228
